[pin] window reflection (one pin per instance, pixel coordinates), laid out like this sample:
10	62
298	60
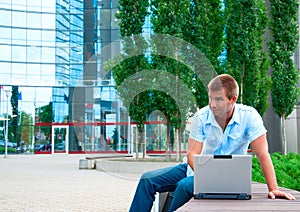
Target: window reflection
5	71
19	19
19	36
34	70
19	70
19	53
48	21
18	5
34	54
34	5
5	54
5	18
34	20
48	38
48	55
33	37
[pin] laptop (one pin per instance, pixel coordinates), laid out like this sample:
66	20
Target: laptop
222	177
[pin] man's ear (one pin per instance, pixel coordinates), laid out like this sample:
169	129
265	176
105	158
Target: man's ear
234	99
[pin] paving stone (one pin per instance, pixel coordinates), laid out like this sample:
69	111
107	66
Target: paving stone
55	183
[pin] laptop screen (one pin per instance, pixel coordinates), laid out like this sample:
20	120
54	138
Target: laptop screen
222	174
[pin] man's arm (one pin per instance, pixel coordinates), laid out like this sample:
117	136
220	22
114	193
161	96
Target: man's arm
260	148
194	147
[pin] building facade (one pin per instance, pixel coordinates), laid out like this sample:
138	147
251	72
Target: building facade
50	68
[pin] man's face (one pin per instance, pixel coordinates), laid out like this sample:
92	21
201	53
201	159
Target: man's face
219	103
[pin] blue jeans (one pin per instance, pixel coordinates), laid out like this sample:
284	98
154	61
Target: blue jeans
162	180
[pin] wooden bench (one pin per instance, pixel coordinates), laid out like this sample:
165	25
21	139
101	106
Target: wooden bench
259	202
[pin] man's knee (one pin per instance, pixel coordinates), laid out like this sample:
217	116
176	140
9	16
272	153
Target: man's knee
186	185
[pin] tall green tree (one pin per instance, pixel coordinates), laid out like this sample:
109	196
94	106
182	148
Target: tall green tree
132	14
285	76
206	32
170	18
247	61
200	23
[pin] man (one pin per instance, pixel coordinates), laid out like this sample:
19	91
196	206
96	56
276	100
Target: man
223	127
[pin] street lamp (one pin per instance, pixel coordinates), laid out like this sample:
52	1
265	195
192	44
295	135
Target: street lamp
7	91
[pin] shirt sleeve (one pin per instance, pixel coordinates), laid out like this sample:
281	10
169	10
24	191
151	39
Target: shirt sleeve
196	129
256	126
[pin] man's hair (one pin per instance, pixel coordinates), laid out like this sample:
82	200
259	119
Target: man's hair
226	82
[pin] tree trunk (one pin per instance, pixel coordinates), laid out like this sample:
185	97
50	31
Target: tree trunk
137	143
168	150
284	141
178	146
143	139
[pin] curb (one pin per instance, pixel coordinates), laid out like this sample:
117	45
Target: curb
138	167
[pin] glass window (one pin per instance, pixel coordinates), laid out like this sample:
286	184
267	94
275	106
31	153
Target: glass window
3	79
5	68
28	100
34	79
33	54
18	4
48	6
105	19
5	35
18	36
48	21
4	4
19	19
19	53
34	20
34	5
48	55
26	132
48	74
48	36
26	107
5	17
18	69
48	70
114	21
5	53
43	95
34	69
33	37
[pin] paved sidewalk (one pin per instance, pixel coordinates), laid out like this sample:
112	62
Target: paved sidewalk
55	183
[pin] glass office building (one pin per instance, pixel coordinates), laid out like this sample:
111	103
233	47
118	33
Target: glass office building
50	83
55	95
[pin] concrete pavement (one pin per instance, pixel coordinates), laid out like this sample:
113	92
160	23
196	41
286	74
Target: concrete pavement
55	183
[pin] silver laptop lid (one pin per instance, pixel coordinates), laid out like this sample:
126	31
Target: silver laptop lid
222	174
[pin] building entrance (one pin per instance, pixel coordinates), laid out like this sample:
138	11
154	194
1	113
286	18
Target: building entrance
60	139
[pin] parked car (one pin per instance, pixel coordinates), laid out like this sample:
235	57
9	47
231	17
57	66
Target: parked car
9	144
47	146
38	147
23	148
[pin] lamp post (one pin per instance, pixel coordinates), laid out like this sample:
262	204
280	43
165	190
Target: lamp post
7	93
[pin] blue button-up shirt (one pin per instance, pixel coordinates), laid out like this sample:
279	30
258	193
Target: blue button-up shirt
245	126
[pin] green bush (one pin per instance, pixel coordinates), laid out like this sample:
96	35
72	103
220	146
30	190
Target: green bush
9	150
287	168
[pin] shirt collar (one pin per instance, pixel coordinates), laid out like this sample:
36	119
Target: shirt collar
235	118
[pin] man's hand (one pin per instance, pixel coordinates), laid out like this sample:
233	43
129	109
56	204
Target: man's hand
280	194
